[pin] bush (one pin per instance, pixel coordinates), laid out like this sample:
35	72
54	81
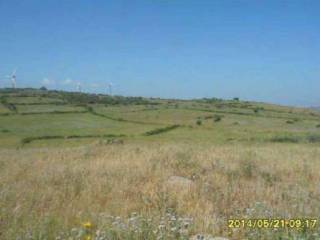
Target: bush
199	122
290	122
318	126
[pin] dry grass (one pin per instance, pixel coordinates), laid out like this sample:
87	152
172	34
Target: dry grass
45	191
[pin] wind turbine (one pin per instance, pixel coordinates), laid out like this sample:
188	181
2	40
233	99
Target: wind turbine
79	87
13	78
110	88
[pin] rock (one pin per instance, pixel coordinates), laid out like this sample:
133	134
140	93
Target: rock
180	183
103	142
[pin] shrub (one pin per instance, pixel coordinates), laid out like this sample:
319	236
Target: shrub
217	118
11	107
290	122
318	126
236	99
199	122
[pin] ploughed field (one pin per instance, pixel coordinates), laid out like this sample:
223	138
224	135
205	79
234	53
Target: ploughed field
79	166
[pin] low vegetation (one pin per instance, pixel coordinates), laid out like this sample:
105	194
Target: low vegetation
161	130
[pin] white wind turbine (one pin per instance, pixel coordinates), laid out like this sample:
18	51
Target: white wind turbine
110	85
13	78
79	88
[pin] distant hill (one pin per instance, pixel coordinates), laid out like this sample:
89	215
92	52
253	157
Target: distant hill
315	108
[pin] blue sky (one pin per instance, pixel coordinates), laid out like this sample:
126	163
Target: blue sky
253	49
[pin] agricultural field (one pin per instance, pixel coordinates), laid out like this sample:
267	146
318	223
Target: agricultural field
80	166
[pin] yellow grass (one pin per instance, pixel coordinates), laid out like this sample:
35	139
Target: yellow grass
51	190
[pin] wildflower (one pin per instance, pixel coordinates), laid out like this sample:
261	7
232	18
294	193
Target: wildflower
88	238
87	225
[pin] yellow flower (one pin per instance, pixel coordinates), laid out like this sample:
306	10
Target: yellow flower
88	238
87	225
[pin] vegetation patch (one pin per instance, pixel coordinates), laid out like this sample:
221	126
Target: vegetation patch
290	122
313	138
4	130
31	139
161	130
217	118
286	139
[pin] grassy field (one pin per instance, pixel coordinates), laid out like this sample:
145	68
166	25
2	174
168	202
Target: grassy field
76	166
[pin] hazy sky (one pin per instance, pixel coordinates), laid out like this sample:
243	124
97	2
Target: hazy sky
252	49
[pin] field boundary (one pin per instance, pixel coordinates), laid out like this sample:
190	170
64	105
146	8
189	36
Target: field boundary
249	114
27	140
93	112
161	130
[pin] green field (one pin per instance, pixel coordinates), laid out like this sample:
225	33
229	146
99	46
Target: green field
201	120
69	158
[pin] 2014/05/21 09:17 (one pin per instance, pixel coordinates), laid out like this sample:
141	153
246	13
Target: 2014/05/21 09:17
272	223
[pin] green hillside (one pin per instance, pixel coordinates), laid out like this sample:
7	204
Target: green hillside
30	117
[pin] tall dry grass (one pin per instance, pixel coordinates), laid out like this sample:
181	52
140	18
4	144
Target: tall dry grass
44	192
